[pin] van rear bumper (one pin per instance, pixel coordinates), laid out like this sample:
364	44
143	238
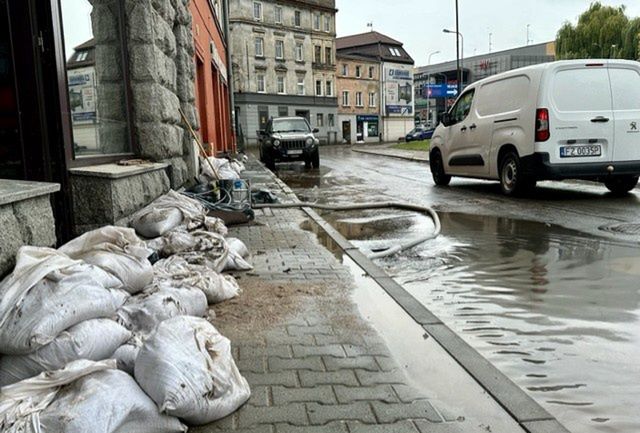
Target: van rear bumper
538	166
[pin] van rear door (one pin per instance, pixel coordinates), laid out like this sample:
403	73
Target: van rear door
625	87
581	114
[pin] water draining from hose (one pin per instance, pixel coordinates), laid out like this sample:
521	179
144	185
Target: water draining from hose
382	252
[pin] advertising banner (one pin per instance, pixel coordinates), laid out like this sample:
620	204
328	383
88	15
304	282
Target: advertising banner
398	90
82	95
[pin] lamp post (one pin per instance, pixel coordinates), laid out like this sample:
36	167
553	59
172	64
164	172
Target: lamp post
459	54
429	84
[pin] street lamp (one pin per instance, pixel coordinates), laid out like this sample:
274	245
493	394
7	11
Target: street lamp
429	84
459	55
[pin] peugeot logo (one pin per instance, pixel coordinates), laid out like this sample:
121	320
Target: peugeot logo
634	126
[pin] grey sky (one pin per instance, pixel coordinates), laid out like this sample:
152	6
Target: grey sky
419	23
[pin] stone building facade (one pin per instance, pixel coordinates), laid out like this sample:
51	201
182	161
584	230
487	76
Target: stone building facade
358	85
283	60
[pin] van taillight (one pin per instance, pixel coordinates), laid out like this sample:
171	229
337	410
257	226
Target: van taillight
542	124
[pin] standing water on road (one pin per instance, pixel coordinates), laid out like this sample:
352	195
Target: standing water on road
554	309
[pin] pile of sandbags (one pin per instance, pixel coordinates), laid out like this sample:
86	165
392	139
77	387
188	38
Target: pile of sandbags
225	168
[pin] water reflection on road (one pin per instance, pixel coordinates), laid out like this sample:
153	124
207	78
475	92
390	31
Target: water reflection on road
555	309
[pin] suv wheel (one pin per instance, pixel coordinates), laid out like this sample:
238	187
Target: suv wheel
440	178
620	185
269	162
315	159
513	182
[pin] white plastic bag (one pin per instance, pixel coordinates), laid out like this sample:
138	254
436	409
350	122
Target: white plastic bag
236	257
178	272
117	250
142	313
22	402
65	297
187	369
199	247
167	213
92	339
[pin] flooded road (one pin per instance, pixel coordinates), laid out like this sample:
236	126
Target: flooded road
534	285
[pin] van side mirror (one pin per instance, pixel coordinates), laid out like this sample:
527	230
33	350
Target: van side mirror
446	119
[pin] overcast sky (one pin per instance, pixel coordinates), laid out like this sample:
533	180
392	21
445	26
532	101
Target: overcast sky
419	23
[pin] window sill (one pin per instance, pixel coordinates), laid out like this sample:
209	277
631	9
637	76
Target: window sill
115	171
12	191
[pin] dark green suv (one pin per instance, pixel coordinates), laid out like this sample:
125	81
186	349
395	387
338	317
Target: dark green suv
288	139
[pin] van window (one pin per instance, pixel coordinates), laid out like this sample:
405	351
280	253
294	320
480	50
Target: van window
625	84
461	110
503	96
582	90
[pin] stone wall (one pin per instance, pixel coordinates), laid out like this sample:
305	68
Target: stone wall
162	74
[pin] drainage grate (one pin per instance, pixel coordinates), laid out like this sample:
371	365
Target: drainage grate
626	228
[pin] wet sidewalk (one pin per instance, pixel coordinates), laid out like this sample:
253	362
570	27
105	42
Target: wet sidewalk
313	363
389	151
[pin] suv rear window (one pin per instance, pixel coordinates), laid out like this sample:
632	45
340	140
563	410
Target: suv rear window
582	90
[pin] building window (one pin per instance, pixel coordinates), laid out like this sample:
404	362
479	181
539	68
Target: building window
319	119
316	21
371	71
327	23
345	98
318	54
328	55
280	85
395	52
259	43
283	111
359	99
318	88
279	49
297	18
257	11
358	71
278	15
331	120
260	83
299	52
300	85
345	69
372	99
329	88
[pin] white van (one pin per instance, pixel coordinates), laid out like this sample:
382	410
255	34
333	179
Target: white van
577	119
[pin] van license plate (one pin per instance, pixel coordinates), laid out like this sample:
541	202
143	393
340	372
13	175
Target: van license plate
577	151
295	152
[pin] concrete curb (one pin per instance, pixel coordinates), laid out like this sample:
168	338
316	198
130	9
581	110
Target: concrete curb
391	155
532	417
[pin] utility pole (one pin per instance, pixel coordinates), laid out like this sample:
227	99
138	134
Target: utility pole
458	49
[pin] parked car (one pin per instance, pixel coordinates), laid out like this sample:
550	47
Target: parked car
418	134
577	119
289	139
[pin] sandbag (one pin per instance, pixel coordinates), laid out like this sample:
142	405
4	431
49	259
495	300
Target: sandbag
199	247
178	272
142	313
236	257
186	367
95	340
107	401
167	213
224	168
126	354
22	402
117	250
62	299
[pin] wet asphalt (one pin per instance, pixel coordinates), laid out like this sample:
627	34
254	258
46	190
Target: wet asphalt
545	287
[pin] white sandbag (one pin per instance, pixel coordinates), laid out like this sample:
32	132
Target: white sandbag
95	340
167	213
126	354
64	298
199	247
187	369
178	272
117	250
224	168
236	257
22	402
216	225
142	313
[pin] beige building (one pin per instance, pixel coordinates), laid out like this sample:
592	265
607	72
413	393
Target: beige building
358	85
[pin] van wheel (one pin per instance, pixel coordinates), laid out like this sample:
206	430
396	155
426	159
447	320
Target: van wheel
620	185
440	177
512	181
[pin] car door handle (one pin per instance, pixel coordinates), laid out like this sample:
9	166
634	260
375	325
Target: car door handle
473	126
463	129
600	119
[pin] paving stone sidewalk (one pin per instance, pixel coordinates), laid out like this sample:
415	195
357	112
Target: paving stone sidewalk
387	150
314	365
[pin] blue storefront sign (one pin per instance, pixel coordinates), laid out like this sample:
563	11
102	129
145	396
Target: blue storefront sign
366	118
437	91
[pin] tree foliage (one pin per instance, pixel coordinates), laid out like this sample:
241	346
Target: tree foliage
601	32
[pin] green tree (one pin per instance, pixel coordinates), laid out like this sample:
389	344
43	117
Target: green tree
601	32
